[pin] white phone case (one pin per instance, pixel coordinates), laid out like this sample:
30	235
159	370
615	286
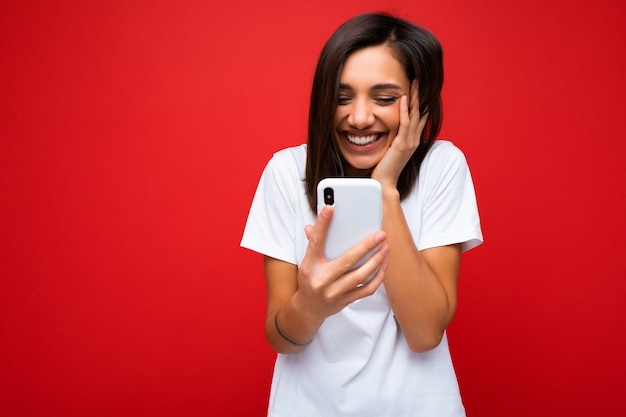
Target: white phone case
357	214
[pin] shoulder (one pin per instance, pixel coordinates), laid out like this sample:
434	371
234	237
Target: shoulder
290	156
443	159
448	209
444	151
292	152
284	173
288	164
444	168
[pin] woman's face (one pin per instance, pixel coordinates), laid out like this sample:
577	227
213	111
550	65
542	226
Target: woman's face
368	114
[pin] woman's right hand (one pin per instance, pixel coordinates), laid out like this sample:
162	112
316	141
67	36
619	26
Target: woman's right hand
326	287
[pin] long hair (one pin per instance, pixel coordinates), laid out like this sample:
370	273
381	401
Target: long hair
421	56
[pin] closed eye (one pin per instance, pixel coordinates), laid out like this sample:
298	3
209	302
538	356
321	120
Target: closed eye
343	100
385	101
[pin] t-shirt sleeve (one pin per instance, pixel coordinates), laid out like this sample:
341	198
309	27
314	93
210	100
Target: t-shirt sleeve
270	226
450	212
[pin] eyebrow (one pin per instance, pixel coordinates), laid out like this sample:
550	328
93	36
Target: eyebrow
376	87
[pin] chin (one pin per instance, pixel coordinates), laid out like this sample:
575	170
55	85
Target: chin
354	168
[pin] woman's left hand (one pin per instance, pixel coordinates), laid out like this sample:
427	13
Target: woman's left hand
406	141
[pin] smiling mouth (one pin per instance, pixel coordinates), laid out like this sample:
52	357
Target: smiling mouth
363	140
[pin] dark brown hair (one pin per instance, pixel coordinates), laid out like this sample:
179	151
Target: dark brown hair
420	54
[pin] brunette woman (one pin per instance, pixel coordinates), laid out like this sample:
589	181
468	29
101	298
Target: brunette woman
376	349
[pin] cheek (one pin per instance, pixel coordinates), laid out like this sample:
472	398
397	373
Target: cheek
340	115
392	119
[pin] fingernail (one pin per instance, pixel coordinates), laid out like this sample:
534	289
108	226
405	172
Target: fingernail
380	236
384	250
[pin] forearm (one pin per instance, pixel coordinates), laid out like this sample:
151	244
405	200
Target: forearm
421	303
288	330
300	298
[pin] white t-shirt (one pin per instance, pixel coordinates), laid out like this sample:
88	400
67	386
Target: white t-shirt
359	363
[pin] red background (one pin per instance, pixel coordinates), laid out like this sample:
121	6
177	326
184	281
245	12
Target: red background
133	134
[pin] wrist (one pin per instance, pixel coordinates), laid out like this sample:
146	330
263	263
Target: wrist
283	334
306	316
390	193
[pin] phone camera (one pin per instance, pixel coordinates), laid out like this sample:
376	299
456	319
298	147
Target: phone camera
329	196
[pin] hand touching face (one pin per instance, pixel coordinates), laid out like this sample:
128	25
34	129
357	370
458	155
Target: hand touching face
367	119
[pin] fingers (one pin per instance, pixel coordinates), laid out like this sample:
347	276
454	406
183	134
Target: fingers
316	234
364	281
410	118
414	108
405	117
351	257
370	268
422	123
370	286
405	122
360	283
331	285
418	121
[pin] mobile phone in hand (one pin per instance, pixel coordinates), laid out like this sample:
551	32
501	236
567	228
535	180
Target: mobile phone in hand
358	210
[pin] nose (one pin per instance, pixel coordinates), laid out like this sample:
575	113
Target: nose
361	115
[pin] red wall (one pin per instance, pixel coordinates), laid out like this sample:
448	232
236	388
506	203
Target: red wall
133	134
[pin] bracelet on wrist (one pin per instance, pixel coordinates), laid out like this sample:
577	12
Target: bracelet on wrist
284	335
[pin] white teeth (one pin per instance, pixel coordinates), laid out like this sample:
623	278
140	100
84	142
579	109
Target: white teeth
362	140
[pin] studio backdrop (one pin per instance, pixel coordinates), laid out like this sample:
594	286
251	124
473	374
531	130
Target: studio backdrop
132	137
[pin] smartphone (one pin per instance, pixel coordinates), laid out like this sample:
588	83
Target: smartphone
358	212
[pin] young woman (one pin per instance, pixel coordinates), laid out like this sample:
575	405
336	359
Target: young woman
377	349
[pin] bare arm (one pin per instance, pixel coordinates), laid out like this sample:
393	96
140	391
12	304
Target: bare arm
300	299
282	284
421	285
